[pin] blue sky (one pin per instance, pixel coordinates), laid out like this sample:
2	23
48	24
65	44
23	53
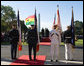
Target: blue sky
47	10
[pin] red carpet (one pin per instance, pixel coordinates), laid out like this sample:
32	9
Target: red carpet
24	60
45	43
45	39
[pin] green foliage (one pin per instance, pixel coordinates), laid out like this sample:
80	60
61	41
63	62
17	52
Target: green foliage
3	26
42	32
23	27
79	42
7	16
24	43
5	43
7	13
78	28
46	32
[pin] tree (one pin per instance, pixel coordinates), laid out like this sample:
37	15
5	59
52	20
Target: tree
42	32
23	27
78	28
7	15
46	32
3	26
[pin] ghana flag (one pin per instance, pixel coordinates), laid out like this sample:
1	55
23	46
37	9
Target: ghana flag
30	20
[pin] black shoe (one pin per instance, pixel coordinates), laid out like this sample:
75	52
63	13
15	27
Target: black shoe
35	59
56	60
51	60
30	59
12	58
15	58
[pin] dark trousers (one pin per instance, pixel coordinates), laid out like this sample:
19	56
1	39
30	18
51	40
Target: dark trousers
30	50
13	50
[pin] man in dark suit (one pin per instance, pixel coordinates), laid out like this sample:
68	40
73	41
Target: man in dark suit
14	38
32	40
68	45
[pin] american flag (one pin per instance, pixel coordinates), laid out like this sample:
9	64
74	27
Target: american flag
72	30
19	28
58	20
36	27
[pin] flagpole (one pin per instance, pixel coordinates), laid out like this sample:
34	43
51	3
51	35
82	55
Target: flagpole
37	25
18	28
36	28
39	21
73	27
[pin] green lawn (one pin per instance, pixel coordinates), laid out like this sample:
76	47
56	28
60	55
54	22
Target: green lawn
24	43
5	43
78	43
8	43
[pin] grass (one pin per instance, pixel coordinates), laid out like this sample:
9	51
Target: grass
5	43
24	43
78	43
8	43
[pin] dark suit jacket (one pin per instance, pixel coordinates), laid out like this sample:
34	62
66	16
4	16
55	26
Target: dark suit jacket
67	36
14	36
32	37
